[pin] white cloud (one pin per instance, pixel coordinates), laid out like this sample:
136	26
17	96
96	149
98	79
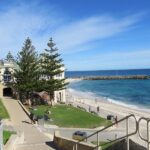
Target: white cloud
112	60
40	23
22	21
76	36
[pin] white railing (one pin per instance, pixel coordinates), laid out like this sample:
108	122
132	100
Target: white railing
147	138
75	147
1	136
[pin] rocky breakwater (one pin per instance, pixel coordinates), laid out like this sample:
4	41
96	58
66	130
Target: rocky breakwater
136	77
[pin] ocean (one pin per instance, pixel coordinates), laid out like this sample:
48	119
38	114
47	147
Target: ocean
132	93
71	74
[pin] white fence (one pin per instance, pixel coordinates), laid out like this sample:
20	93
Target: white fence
1	136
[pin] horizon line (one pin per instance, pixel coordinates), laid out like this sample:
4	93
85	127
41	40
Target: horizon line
109	69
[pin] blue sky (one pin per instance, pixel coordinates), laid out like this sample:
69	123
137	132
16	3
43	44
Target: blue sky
90	34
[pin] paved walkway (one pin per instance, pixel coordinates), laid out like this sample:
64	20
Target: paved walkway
33	138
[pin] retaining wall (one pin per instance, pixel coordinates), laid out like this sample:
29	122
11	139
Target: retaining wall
122	145
68	144
13	141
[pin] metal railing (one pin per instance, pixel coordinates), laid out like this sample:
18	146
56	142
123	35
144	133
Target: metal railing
75	147
1	136
147	140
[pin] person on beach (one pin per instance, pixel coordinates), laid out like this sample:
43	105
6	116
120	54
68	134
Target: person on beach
98	109
89	108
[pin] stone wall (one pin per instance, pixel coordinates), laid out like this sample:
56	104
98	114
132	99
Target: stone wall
68	144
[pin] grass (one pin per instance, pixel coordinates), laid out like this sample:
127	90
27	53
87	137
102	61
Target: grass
103	143
68	116
3	112
6	136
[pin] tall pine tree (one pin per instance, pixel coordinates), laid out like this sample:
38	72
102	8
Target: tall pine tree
10	57
51	66
27	74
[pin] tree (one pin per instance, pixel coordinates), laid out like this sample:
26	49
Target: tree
51	66
10	57
26	76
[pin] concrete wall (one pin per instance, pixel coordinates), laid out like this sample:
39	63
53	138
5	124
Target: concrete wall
136	146
122	145
68	144
13	141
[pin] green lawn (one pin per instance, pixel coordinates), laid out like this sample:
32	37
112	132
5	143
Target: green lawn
6	136
3	111
68	116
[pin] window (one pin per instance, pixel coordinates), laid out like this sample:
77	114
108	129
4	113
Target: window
59	75
7	75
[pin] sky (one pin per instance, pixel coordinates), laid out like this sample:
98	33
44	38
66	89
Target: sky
90	34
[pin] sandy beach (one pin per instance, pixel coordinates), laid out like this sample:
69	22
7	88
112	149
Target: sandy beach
105	106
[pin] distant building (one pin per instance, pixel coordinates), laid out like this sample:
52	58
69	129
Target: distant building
7	67
60	96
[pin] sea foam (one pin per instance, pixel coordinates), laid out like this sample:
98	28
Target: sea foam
93	97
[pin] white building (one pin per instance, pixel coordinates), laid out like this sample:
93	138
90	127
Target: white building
7	68
6	71
60	96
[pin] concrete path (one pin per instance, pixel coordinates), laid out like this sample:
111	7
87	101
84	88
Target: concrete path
34	139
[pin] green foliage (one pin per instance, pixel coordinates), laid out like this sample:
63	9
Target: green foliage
27	75
3	111
6	136
9	57
51	66
35	74
68	116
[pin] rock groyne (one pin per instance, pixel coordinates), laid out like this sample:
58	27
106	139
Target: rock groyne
134	77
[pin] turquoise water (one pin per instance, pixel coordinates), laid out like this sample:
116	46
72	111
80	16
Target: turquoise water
134	93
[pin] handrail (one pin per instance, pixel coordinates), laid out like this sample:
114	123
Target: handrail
148	138
112	125
117	139
1	136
